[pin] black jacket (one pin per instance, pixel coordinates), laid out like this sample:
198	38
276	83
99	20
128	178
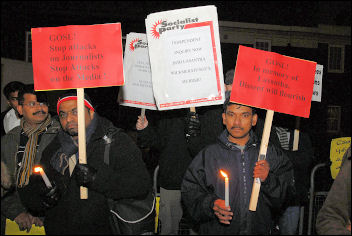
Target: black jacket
125	177
168	138
202	185
302	161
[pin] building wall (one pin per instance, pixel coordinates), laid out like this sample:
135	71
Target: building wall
14	70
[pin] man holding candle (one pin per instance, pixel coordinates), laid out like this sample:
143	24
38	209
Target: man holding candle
236	154
126	175
22	147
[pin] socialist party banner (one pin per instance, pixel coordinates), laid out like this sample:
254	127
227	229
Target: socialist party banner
185	57
272	81
138	89
318	83
77	56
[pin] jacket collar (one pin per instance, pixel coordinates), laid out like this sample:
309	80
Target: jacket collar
223	139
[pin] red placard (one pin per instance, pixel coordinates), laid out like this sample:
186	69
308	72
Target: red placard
274	82
77	56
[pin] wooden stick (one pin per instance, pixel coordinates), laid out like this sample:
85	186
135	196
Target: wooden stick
143	113
296	135
262	154
81	135
193	109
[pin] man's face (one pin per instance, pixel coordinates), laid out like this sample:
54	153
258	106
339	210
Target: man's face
13	100
69	119
239	120
33	112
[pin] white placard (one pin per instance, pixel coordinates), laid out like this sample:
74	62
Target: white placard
185	57
318	83
138	89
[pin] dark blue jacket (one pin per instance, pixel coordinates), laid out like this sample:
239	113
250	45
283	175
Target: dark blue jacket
203	184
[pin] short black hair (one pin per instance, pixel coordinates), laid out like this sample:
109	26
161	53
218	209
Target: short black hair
29	88
12	87
228	102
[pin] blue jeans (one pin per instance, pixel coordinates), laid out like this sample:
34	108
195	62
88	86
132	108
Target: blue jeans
288	222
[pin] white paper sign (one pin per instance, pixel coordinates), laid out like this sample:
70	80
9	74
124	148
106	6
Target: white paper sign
185	58
318	83
138	89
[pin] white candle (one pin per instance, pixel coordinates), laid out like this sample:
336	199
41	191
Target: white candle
227	192
227	201
45	178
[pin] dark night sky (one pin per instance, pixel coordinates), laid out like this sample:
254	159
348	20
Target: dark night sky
20	16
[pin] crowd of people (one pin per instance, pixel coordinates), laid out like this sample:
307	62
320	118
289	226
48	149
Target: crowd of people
191	149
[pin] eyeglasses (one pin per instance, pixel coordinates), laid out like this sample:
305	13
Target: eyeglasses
63	115
14	98
34	104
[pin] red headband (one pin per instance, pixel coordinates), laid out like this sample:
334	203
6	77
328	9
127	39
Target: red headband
61	100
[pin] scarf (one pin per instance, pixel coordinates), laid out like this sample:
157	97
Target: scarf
69	147
30	151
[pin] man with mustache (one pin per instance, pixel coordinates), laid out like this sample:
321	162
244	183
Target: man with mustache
236	153
21	149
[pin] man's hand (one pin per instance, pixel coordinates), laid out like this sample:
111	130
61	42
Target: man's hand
261	170
223	213
85	174
51	197
37	221
192	126
141	123
24	221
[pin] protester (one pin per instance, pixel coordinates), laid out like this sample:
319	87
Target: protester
21	148
11	118
302	160
125	177
334	218
236	153
167	136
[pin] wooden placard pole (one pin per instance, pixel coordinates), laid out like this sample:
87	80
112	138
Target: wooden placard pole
81	136
296	135
193	109
262	153
143	113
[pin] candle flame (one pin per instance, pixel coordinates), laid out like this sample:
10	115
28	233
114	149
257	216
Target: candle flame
37	169
223	174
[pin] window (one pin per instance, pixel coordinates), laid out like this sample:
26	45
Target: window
333	119
336	59
28	47
263	44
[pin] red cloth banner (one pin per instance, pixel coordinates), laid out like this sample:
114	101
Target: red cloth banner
274	82
77	56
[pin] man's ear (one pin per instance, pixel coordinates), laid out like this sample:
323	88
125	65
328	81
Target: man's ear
91	113
254	119
224	118
20	109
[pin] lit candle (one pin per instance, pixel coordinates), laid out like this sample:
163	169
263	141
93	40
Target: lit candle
42	173
226	188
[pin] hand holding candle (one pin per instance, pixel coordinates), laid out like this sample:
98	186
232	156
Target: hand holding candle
40	170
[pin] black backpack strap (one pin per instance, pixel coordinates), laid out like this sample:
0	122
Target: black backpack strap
108	140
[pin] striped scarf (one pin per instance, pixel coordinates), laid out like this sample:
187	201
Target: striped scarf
30	151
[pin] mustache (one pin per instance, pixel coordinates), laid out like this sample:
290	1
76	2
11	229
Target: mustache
38	112
236	127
